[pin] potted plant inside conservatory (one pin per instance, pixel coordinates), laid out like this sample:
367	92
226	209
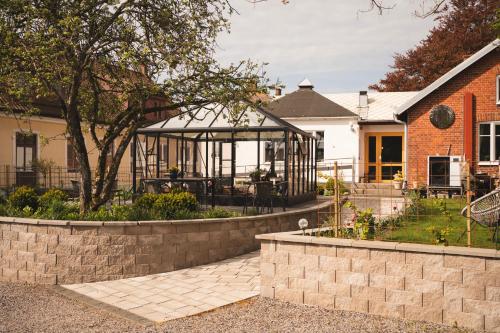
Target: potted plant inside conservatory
398	180
174	172
256	175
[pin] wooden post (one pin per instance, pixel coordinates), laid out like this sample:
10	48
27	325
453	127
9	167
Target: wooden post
335	198
468	191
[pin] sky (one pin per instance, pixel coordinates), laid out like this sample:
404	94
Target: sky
338	48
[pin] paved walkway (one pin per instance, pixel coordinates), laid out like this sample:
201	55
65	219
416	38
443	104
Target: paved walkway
177	294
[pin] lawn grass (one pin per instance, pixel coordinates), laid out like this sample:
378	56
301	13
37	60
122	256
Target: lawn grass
414	229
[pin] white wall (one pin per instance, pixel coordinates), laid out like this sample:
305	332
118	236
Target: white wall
341	141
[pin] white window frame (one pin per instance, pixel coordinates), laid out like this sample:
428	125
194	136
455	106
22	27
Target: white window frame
493	147
498	89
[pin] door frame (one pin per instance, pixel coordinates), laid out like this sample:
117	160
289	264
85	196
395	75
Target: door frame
378	163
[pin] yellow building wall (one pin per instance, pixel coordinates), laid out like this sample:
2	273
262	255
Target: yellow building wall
52	146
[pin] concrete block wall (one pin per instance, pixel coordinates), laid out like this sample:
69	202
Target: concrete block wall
65	252
449	285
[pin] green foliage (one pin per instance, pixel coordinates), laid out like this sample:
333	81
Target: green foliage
440	234
52	195
168	205
364	222
56	209
3	210
22	197
146	201
218	212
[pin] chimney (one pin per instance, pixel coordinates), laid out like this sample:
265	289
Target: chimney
277	90
363	104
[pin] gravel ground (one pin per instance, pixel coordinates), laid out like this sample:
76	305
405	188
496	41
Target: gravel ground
26	308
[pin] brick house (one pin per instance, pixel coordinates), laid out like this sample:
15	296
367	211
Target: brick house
453	120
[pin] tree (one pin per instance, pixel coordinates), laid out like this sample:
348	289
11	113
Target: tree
101	60
465	26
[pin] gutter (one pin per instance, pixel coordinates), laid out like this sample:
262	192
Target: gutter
405	165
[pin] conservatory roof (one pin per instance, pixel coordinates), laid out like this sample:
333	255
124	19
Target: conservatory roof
216	118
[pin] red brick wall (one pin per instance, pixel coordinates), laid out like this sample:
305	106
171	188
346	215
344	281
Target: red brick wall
424	139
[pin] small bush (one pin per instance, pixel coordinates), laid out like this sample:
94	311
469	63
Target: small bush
170	205
146	201
58	210
54	194
3	210
214	213
22	197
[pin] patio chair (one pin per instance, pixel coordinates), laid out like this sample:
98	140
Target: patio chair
263	196
281	193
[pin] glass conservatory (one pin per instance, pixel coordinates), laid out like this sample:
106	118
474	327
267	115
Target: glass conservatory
224	157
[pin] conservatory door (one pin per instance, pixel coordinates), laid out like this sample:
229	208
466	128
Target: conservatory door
26	146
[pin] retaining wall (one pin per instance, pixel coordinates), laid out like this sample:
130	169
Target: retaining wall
65	252
450	285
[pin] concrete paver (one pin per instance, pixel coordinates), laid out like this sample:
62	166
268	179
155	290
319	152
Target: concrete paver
167	296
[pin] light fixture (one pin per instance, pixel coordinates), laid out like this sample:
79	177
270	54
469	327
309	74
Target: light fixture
303	223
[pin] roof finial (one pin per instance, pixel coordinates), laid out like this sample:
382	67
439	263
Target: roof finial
306	84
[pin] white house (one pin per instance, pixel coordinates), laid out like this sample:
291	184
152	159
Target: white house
357	130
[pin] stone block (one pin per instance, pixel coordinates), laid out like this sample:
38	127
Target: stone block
351	304
352	278
84	249
149	240
458	290
475	278
470	320
493	265
403	297
450	303
82	270
424	286
48	239
68	260
303	284
367	266
291	247
438	273
187	228
58	230
9	274
163	229
320	250
433	314
112	250
98	260
10	235
123	239
121	260
493	294
196	236
385	309
334	263
19	227
267	246
37	247
267	291
464	262
319	299
335	289
387	256
481	307
267	269
49	259
26	276
403	270
36	267
49	279
69	278
386	281
370	293
492	323
110	270
18	245
26	256
307	260
37	229
352	252
289	295
428	259
147	258
28	237
84	230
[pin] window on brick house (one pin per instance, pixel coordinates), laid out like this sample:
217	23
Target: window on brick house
489	142
498	89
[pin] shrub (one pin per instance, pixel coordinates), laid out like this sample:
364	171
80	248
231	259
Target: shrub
54	194
58	210
214	213
146	201
169	204
22	197
3	210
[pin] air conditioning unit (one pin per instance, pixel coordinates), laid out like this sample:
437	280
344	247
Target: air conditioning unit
445	171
